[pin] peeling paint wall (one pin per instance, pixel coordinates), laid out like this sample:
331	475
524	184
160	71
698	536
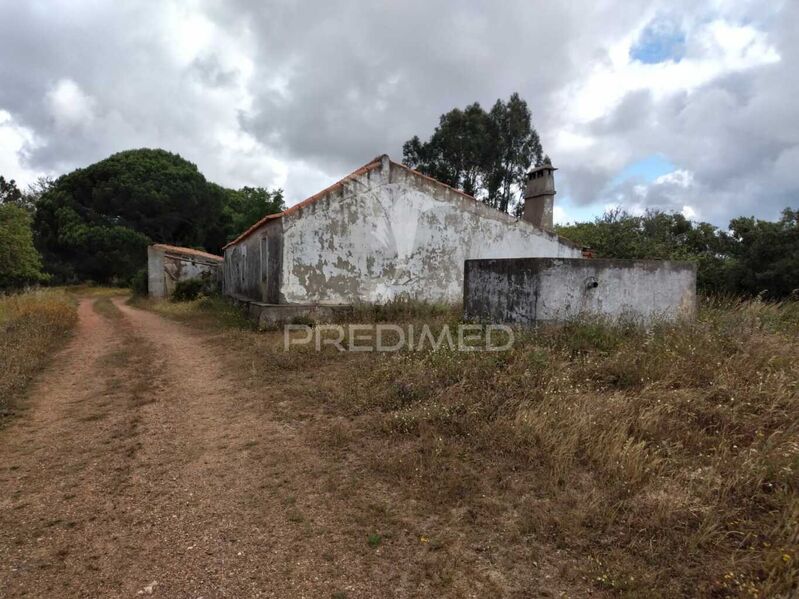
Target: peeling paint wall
390	233
165	268
525	291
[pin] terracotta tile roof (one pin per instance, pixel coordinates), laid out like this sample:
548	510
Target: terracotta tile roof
175	249
375	163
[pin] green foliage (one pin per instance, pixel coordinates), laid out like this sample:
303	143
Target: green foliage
517	147
246	206
766	255
139	284
754	257
95	223
485	154
188	290
9	192
20	263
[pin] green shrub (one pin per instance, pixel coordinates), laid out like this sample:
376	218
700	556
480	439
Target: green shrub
138	283
303	319
188	290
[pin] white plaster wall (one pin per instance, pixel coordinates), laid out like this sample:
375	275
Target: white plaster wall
391	235
155	272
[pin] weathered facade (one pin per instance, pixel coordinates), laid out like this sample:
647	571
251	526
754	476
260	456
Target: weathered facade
381	233
168	264
529	290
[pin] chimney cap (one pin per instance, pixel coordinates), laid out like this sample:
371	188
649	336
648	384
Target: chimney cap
543	167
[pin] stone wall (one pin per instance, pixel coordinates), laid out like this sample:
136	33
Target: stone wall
529	290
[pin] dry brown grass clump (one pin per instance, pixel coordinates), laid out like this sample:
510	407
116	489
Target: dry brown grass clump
32	326
665	461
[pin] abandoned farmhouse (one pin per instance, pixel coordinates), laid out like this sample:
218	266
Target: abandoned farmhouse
387	232
381	233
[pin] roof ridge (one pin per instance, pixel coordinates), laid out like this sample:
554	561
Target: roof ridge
367	167
307	201
466	195
184	250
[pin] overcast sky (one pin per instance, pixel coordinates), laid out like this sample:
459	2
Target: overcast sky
682	105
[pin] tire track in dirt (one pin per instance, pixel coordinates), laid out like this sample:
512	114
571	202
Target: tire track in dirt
143	467
141	461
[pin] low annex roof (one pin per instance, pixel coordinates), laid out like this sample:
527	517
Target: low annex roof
175	249
371	165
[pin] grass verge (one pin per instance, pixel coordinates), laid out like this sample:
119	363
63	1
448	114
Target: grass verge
209	312
32	326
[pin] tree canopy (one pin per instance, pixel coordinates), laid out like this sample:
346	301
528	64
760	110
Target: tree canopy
96	222
20	263
765	255
754	257
484	154
9	192
246	206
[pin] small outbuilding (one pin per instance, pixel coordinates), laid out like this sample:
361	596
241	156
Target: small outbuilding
168	264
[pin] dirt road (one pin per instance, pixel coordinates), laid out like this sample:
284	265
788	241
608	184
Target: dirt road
142	466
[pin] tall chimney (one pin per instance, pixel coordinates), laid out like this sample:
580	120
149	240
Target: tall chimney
539	196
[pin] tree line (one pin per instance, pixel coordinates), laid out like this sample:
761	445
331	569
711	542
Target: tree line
95	223
752	257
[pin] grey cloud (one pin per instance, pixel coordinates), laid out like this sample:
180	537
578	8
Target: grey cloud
323	87
735	134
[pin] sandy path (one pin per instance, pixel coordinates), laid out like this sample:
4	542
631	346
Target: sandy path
141	461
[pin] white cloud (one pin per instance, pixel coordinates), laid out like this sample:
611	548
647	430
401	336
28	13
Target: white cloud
69	105
678	178
15	142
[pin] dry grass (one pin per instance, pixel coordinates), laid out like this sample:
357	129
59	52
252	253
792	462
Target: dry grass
658	463
210	312
32	326
105	307
96	291
666	461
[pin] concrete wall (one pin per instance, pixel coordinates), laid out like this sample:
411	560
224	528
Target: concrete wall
165	268
528	290
391	233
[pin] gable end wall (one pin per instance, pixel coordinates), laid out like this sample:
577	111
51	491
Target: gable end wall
390	233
